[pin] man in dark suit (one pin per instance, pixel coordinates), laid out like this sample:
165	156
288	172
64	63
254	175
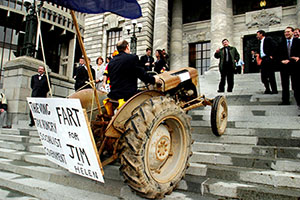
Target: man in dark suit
267	48
39	86
82	77
228	57
124	72
147	60
289	54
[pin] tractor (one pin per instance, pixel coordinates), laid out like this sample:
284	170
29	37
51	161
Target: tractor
150	134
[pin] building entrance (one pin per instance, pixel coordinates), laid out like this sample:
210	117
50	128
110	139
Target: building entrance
250	43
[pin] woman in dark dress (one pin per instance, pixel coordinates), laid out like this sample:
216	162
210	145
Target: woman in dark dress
160	63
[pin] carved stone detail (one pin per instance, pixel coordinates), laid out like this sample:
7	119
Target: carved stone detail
264	18
194	37
111	21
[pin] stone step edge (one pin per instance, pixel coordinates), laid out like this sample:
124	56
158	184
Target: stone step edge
217	188
9	194
45	190
244	145
63	177
245	175
238	190
242	156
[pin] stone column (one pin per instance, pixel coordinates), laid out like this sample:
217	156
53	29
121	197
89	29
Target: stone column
176	36
221	27
71	55
16	87
298	13
160	35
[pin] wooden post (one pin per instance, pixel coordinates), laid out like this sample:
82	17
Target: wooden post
87	61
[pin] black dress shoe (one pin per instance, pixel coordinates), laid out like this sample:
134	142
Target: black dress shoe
6	126
274	92
284	103
220	91
229	90
267	92
31	124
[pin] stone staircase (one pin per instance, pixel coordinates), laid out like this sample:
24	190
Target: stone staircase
257	158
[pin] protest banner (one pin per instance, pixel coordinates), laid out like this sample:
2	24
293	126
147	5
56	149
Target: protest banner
66	136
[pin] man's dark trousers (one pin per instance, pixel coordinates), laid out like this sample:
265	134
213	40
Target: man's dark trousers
268	75
227	72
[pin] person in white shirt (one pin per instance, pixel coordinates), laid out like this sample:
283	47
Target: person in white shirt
99	71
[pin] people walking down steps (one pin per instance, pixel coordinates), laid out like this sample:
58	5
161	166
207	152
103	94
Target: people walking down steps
256	158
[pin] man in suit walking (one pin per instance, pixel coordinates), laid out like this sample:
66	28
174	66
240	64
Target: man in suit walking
124	72
147	60
39	86
289	54
82	77
267	47
228	57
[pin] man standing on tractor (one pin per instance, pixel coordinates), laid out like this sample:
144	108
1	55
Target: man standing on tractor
124	72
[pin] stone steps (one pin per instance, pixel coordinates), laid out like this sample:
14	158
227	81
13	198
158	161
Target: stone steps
236	190
239	149
8	194
250	176
248	161
46	189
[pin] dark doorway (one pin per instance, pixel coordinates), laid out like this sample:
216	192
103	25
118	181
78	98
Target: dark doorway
251	43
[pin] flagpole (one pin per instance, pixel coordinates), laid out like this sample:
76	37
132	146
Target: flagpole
86	61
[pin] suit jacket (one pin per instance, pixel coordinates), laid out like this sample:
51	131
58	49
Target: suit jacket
234	55
269	46
124	71
39	87
82	76
283	51
144	60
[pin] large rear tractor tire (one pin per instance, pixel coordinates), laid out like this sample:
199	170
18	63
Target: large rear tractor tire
156	147
219	115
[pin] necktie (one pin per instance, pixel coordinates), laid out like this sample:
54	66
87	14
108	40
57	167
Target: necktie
226	54
289	48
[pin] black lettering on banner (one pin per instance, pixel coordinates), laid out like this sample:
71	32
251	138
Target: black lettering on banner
55	155
43	124
80	153
67	117
86	172
73	136
50	140
39	108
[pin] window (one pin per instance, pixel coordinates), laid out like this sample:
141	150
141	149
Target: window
199	56
196	10
241	7
112	38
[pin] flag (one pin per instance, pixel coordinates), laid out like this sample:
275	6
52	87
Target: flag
125	8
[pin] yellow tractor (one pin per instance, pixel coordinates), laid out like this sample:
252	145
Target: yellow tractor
151	132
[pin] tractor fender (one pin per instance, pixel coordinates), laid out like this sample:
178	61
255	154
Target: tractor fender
86	99
116	126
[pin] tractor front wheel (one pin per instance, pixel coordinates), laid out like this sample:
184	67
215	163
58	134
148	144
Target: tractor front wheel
156	147
219	115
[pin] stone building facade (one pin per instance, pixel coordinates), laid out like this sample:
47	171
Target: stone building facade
61	51
164	27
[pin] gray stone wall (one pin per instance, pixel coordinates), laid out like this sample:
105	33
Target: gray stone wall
238	26
96	27
200	31
16	86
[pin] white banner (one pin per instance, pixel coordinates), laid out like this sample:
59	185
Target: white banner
65	135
